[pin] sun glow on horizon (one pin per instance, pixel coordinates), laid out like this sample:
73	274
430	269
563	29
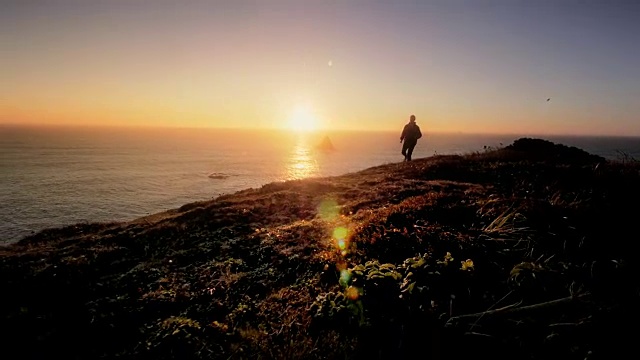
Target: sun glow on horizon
302	119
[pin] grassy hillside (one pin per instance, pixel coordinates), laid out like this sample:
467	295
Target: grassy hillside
522	252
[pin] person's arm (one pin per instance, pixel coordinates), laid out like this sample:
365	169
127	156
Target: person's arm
404	133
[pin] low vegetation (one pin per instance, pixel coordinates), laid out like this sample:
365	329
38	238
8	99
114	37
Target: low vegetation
521	252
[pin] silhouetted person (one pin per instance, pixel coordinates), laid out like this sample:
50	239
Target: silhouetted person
410	135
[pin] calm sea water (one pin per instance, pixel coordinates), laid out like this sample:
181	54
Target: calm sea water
57	176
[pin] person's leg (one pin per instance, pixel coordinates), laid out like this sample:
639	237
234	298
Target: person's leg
405	146
410	150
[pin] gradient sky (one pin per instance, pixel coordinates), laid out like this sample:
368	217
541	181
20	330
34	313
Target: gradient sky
468	66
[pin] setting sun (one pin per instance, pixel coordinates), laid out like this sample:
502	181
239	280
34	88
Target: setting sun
302	120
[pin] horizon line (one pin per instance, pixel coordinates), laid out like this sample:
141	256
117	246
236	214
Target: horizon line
280	129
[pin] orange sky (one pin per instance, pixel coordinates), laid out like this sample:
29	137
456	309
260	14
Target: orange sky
318	64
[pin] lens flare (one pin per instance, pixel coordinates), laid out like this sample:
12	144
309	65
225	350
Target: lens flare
340	233
328	210
345	277
340	238
353	293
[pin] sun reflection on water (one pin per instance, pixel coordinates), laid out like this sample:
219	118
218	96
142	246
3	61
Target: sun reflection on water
301	163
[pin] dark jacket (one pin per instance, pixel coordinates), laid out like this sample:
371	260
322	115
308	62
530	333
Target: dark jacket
411	132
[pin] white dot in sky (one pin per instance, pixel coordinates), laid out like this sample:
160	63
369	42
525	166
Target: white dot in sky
330	63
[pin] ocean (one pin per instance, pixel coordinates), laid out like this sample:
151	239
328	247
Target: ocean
58	176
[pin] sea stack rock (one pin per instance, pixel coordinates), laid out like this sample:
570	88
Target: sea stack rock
326	144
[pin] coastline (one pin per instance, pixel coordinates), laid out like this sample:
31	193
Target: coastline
119	174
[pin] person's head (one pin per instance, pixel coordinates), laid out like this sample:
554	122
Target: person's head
412	118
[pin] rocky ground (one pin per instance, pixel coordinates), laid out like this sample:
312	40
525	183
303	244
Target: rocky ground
521	252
